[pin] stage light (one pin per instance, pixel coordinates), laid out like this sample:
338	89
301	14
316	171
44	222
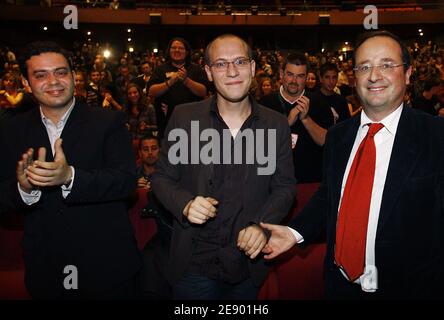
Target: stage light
419	30
107	53
88	33
228	10
254	10
129	30
131	49
45	28
346	43
344	49
129	39
283	11
421	34
155	50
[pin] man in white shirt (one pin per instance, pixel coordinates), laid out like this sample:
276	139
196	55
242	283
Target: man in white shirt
402	235
78	242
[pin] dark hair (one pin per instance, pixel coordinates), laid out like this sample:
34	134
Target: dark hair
296	58
328	66
186	45
406	59
431	82
148	136
141	103
38	47
224	36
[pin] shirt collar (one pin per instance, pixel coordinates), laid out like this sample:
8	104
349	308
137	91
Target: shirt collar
64	117
253	103
281	92
390	122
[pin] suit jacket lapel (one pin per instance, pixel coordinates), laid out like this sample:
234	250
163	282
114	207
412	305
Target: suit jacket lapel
206	172
73	130
340	158
404	156
36	132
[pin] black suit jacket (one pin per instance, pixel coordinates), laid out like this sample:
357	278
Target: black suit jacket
90	229
409	248
267	197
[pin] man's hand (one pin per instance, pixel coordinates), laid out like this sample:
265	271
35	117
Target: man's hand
182	74
144	184
303	105
280	241
293	116
200	209
55	173
251	240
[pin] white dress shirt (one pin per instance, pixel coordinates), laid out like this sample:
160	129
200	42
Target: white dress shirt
54	132
384	140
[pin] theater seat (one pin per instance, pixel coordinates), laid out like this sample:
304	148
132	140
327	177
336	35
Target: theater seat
298	273
144	229
12	285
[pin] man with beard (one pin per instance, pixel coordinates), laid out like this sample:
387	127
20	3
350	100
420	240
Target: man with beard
149	154
78	242
309	120
175	82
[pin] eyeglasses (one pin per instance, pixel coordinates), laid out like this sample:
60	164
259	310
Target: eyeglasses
222	65
387	67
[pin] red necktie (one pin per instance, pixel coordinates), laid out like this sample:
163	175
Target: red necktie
351	228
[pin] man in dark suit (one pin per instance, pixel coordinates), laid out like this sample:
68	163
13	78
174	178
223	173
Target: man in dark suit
218	204
78	242
391	244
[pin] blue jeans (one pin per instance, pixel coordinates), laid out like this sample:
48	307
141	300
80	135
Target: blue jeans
196	287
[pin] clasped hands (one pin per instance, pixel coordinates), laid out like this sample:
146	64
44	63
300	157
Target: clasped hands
300	110
32	174
251	239
180	75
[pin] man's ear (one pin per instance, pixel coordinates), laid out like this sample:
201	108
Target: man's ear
26	85
208	71
253	67
408	73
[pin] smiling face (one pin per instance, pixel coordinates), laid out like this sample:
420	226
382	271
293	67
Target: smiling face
293	79
233	83
310	83
381	91
266	87
178	52
80	81
51	80
133	95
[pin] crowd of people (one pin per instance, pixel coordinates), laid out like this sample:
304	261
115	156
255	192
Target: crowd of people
211	217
